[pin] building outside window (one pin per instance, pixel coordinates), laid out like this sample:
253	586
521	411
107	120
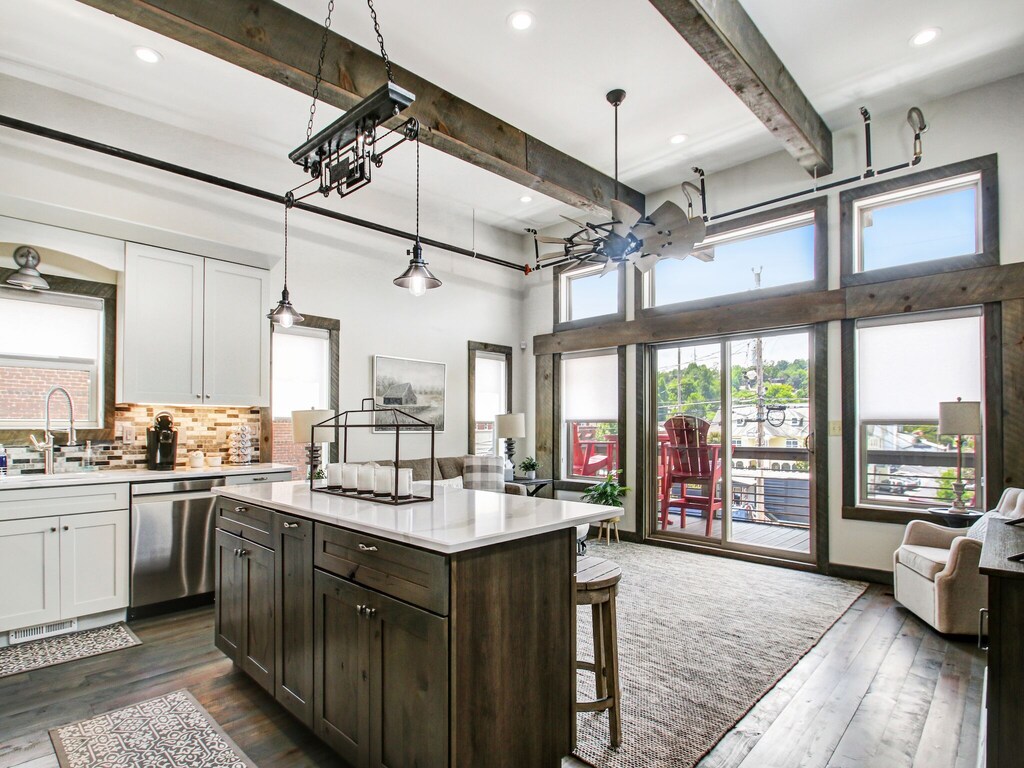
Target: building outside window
53	339
906	366
590	414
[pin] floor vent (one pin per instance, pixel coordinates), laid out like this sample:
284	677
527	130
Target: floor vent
41	631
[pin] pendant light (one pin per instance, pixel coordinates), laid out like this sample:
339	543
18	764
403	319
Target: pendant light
284	313
417	278
27	276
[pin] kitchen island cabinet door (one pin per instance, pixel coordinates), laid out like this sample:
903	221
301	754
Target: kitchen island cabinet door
258	613
408	686
293	552
29	572
228	629
341	687
236	351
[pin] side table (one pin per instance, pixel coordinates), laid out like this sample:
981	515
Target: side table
533	487
956	519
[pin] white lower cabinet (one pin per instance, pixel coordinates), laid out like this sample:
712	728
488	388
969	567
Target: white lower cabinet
55	568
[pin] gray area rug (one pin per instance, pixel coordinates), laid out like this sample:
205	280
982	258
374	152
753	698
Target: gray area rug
171	731
25	657
701	639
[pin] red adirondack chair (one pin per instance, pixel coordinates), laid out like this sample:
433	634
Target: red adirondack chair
691	461
585	459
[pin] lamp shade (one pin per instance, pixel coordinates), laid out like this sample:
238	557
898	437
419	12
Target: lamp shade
511	425
303	421
960	417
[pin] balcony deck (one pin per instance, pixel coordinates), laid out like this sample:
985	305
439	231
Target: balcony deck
792	538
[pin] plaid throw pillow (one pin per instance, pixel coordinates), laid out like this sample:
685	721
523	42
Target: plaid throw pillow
484	473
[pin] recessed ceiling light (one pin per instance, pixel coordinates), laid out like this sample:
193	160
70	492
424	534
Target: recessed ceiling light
147	55
520	20
525	199
679	138
925	36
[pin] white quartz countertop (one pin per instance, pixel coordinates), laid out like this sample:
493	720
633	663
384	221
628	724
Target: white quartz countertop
104	476
456	520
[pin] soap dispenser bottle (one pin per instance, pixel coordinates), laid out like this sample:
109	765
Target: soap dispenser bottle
88	462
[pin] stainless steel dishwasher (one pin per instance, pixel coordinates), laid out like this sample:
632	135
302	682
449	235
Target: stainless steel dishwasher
172	548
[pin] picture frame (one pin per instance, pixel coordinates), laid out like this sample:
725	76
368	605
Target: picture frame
418	387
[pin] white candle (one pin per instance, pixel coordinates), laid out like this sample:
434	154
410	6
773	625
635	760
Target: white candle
383	481
334	474
404	482
364	480
349	476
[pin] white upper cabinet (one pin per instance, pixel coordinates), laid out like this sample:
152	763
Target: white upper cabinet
192	331
161	332
237	337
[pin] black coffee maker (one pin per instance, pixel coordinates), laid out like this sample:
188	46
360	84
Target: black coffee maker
161	442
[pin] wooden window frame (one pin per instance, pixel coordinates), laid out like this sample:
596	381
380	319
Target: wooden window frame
986	165
492	349
108	373
818	206
561	274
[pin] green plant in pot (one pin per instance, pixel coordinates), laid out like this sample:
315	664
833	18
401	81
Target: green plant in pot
529	466
608	492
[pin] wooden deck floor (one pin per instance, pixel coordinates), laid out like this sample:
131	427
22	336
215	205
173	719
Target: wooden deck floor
773	536
880	690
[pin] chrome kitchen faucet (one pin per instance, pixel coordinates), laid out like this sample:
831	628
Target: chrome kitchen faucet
47	445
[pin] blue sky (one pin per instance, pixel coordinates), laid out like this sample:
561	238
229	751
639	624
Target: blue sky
932	227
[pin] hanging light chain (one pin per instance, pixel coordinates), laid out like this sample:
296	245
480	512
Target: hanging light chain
286	247
380	41
320	68
417	191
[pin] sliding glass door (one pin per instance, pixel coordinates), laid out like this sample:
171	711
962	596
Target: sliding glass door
730	443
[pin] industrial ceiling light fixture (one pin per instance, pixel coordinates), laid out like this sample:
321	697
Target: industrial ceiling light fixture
417	278
27	276
632	238
284	313
341	156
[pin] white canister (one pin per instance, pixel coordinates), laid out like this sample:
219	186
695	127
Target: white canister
383	481
334	475
364	480
404	483
349	477
196	459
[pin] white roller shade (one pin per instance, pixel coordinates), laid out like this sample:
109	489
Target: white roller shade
905	370
590	388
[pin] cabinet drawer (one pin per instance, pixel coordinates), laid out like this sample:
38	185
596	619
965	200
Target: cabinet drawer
23	503
252	523
410	574
261	477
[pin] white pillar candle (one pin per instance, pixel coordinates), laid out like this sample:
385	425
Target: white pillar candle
404	483
383	481
364	480
349	476
334	474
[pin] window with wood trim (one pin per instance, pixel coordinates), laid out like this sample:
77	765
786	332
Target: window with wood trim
904	367
583	293
490	394
590	415
774	252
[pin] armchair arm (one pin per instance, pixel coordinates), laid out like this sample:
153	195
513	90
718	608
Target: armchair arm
964	559
515	489
925	534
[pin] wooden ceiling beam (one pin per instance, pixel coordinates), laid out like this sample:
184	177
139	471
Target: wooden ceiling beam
722	34
271	40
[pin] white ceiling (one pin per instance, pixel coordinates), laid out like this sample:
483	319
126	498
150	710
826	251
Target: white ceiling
549	81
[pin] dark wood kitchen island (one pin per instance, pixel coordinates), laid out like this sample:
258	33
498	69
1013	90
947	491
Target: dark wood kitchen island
432	635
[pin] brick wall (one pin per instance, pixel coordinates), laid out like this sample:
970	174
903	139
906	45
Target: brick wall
23	392
286	450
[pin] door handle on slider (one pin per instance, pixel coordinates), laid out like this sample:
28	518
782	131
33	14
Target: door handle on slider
365	548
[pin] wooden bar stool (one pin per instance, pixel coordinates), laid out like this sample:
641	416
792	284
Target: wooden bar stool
597	582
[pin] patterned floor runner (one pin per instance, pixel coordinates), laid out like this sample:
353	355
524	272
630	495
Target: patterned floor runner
57	650
172	731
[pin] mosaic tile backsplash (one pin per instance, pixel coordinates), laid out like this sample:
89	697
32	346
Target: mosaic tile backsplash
199	429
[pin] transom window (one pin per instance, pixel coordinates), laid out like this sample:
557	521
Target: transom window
586	293
52	339
919	223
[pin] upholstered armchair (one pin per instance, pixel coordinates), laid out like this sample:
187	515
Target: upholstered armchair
935	569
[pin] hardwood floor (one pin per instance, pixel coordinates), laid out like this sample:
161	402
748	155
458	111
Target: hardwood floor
881	690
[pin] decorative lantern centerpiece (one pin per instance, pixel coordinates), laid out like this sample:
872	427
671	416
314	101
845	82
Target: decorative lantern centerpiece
369	482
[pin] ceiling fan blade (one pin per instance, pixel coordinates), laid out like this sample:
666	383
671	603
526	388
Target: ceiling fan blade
547	239
695	229
554	255
625	215
668	215
704	255
609	266
579	224
646	263
644	229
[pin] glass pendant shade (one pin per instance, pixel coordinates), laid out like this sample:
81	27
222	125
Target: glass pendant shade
27	276
417	278
284	313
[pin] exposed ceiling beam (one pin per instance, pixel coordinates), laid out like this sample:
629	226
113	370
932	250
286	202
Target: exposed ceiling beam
722	34
273	41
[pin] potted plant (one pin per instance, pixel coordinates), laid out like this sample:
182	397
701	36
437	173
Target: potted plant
529	466
608	492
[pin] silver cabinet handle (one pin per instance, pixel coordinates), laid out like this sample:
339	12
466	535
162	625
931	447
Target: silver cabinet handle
360	609
259	479
243	552
371	612
365	548
291	525
241	510
236	551
982	615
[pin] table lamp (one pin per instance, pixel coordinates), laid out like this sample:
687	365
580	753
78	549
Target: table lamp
509	427
302	424
962	417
